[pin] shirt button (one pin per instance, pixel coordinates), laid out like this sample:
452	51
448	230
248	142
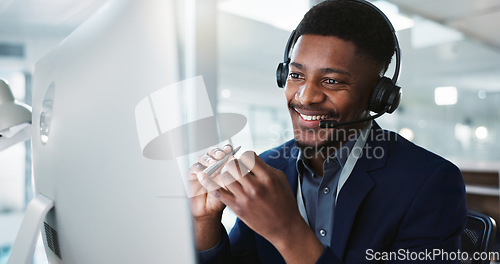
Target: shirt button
322	232
326	190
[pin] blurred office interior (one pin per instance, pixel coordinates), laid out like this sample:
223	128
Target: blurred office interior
450	79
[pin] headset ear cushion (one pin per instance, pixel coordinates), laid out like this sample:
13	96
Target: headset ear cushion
282	74
379	100
393	99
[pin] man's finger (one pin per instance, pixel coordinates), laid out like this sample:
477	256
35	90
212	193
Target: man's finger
225	196
206	160
207	182
194	169
231	184
227	148
216	153
253	162
237	169
195	188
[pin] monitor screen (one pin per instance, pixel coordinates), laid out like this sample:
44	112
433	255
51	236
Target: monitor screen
111	203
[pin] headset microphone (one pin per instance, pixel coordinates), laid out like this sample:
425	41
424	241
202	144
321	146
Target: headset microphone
335	124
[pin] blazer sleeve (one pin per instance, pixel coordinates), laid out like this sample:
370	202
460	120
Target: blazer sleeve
242	248
218	254
243	244
237	248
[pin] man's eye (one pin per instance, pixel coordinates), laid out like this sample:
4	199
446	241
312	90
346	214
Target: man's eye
331	81
294	75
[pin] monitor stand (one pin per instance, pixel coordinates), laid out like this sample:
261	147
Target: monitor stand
24	246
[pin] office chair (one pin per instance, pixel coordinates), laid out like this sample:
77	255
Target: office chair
478	236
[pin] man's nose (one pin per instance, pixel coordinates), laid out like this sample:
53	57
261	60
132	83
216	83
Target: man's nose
310	93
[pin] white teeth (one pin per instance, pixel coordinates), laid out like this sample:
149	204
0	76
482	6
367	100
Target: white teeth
317	117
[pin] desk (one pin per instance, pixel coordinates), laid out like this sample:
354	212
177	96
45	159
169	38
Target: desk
482	180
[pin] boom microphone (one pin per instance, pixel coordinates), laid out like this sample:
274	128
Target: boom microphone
334	124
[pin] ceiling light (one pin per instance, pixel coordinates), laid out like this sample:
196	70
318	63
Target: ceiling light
399	21
445	95
481	133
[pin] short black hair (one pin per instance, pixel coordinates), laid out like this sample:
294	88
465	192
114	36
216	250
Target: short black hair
352	21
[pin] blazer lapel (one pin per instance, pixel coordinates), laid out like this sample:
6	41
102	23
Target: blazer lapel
356	189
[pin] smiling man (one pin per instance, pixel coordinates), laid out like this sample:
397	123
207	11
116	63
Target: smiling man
333	195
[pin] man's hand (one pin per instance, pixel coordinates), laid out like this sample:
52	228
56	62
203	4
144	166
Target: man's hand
205	207
261	197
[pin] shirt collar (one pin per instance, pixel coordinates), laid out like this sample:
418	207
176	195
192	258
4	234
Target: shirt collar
340	156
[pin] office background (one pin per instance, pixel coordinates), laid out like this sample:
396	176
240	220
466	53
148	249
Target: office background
450	75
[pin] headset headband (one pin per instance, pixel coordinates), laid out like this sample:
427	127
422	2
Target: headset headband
291	40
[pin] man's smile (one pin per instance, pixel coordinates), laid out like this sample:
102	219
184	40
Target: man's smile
311	117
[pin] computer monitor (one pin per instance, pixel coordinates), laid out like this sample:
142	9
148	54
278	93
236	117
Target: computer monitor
111	203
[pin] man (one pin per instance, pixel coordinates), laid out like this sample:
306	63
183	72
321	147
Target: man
349	194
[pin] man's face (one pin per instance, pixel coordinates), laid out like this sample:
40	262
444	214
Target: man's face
327	79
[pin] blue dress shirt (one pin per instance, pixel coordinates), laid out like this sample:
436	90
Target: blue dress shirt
319	192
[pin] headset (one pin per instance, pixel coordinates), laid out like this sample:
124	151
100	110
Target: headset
385	96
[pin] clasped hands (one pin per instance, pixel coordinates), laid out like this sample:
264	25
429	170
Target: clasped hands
256	192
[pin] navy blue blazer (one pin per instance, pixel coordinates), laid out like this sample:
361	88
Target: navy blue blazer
399	198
